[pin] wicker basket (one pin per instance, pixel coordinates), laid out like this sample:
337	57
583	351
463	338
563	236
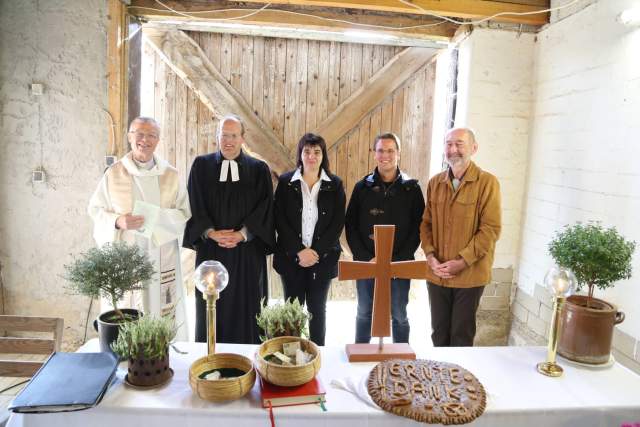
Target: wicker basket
225	388
287	376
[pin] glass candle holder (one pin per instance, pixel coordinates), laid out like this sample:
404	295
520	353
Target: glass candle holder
211	277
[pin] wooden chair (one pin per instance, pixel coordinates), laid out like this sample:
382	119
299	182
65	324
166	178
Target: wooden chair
21	347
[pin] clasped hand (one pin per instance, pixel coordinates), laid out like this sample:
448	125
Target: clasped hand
448	269
307	257
226	238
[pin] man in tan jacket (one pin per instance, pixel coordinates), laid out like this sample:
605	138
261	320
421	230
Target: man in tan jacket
459	230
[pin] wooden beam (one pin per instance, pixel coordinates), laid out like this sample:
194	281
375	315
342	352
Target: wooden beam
134	56
29	323
297	22
191	64
372	93
116	76
467	9
306	33
18	368
26	345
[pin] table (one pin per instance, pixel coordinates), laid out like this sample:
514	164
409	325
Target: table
516	395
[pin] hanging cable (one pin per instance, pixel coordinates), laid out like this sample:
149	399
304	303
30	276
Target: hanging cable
480	21
289	12
386	27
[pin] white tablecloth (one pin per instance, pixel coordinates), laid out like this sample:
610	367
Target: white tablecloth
517	395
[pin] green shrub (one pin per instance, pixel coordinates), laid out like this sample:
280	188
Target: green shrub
288	319
598	256
109	272
149	337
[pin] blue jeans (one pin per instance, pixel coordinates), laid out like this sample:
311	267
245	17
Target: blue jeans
399	300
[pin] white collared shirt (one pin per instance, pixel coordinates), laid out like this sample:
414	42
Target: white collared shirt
309	205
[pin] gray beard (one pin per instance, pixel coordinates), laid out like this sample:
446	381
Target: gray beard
455	161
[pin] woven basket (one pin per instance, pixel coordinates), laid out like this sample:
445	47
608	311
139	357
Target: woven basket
225	388
287	376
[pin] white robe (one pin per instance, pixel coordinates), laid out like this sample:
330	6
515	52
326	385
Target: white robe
165	294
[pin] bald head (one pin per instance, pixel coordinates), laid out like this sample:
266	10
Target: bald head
468	132
459	145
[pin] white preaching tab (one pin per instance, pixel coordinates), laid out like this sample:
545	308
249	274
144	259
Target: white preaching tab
224	171
150	213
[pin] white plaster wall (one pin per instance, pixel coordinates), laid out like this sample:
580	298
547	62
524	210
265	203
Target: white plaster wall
495	99
61	44
584	142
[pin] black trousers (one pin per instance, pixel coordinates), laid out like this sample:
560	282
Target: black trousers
303	284
453	315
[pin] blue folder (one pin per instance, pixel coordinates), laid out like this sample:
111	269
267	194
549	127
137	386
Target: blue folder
67	382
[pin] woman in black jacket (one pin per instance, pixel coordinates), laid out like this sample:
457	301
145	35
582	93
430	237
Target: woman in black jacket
309	211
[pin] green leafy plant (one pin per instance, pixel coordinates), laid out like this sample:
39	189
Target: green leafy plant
109	271
147	338
283	319
598	256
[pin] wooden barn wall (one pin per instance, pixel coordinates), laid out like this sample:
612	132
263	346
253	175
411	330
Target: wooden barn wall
293	85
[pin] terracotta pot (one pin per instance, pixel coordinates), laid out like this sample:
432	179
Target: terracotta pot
586	333
149	372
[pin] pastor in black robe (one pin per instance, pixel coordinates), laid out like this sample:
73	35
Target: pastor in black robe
232	205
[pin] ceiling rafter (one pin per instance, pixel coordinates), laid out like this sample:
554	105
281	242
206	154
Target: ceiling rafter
465	9
333	24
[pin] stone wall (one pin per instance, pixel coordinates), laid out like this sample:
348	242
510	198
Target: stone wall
495	98
493	319
583	158
62	45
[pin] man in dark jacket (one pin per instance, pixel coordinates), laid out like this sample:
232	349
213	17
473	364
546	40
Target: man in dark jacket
232	222
386	196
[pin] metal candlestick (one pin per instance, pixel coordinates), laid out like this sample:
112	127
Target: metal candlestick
211	321
550	367
561	283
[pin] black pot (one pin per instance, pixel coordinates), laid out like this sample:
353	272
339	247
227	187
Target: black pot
108	331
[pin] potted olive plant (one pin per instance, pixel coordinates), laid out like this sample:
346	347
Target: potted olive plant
598	257
109	272
145	345
283	319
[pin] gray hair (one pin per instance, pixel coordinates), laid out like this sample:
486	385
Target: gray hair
233	118
470	133
144	119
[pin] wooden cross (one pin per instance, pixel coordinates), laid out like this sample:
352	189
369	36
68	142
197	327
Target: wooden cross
383	269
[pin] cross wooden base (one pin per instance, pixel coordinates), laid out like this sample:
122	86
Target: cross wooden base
373	352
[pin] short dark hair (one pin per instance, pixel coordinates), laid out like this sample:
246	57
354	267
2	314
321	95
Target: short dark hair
387	135
311	139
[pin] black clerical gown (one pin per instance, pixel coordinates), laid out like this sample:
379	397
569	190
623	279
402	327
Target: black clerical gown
232	205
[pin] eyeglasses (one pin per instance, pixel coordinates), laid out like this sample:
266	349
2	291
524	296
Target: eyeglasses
140	136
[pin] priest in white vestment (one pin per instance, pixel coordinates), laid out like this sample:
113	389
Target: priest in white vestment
140	200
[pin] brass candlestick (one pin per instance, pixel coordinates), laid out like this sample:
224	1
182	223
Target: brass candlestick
561	283
211	321
211	277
